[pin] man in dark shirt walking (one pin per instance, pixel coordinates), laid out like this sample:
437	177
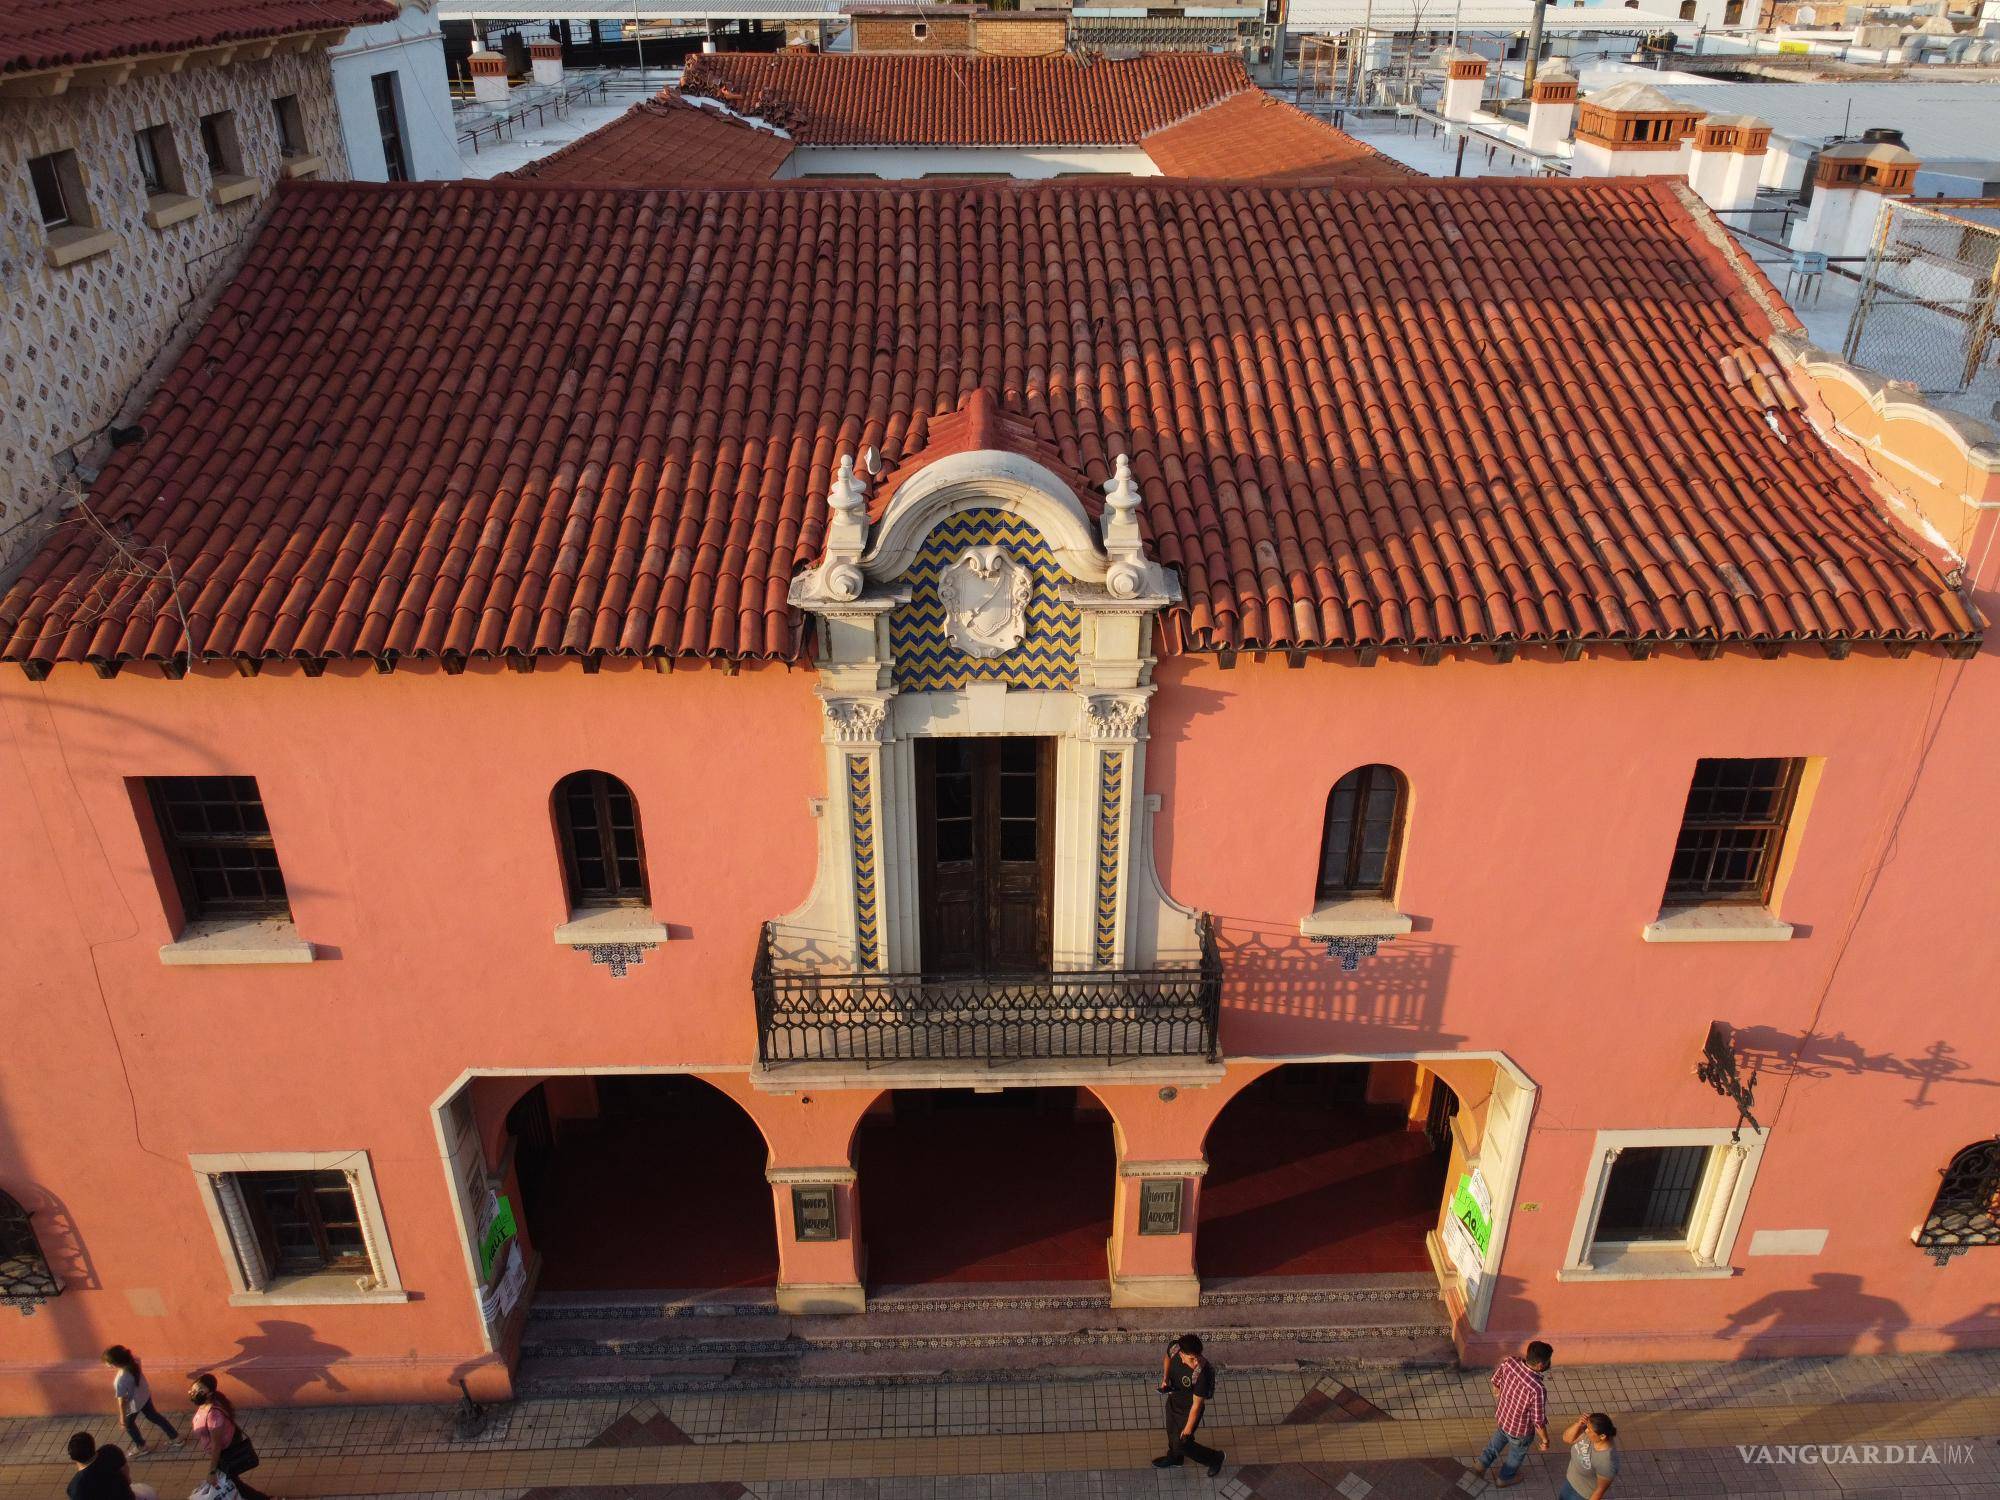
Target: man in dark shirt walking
100	1472
1188	1381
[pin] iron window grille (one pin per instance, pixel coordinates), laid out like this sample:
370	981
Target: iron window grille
1362	841
1651	1193
1732	829
305	1222
1966	1211
603	854
219	846
25	1276
1108	1015
51	192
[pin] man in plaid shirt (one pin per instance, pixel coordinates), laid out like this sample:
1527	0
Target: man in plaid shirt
1521	1412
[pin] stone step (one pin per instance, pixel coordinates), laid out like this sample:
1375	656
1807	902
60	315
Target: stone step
601	1375
627	1344
974	1298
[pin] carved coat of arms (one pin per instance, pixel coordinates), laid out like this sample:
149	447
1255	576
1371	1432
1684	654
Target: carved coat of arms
985	598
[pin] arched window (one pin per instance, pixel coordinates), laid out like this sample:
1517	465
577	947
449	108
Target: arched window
597	828
25	1277
1967	1209
1364	832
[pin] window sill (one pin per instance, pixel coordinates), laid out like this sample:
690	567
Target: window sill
163	209
229	188
238	940
1356	916
1718	922
317	1291
1641	1263
304	166
590	925
77	242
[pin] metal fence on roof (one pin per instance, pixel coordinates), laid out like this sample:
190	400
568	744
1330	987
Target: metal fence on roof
1929	306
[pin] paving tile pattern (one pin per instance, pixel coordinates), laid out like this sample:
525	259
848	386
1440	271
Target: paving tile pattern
830	99
37	34
1251	137
662	141
1294	1441
475	419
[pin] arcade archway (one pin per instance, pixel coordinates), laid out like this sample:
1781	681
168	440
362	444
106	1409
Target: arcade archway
1325	1169
1010	1186
643	1182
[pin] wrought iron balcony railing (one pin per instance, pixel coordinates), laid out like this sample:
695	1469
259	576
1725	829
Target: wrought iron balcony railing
1110	1015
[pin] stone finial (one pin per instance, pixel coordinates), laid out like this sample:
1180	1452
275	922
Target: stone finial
838	578
1129	573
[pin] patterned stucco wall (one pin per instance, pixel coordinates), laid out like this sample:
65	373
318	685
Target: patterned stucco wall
76	340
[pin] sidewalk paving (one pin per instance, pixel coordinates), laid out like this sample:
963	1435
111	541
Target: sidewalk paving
1359	1434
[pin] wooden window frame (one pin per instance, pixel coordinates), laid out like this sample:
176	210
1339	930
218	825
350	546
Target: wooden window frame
618	895
221	144
306	1190
175	844
386	90
251	1282
64	178
1776	828
1348	888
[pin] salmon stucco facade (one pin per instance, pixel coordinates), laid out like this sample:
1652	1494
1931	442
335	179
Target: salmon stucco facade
794	741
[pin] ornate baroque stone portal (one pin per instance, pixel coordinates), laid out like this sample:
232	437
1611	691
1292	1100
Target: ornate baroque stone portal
984	601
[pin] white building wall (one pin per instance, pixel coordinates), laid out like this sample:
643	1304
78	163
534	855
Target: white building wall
1592	160
905	163
77	341
411	47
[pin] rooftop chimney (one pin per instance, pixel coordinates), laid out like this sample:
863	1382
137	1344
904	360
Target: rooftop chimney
1727	161
1464	85
1851	182
1551	107
548	61
489	78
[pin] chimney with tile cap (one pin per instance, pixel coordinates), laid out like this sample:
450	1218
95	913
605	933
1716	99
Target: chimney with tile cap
1632	130
548	60
1727	161
489	76
1464	84
1551	107
1850	184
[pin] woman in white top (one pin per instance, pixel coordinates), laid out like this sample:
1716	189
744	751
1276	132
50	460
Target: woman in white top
1593	1457
135	1397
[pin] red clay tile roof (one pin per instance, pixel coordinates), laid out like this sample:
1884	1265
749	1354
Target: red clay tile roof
479	418
1251	137
664	141
41	34
827	99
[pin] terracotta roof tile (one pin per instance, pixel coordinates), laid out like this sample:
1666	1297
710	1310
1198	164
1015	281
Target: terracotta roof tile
41	34
1251	137
832	99
662	142
477	418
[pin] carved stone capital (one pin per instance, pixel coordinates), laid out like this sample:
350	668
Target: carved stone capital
856	721
1107	717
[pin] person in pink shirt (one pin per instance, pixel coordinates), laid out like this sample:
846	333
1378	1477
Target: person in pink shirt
215	1429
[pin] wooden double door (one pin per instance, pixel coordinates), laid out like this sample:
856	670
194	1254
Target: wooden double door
986	850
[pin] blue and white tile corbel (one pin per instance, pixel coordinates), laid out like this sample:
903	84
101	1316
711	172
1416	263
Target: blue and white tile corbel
1354	928
616	937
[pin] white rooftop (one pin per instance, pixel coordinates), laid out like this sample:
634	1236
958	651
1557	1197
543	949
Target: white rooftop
1475	15
651	11
1938	120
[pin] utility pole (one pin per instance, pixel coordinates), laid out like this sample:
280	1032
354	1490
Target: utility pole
1534	48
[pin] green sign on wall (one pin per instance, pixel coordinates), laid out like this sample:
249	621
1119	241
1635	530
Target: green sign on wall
1472	1206
499	1229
